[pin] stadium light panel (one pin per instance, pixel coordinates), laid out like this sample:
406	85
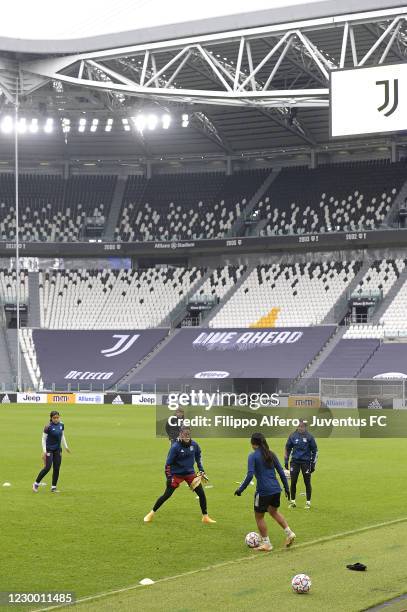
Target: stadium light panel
94	126
33	126
49	125
109	124
66	125
185	120
7	125
139	122
22	125
166	121
152	121
125	123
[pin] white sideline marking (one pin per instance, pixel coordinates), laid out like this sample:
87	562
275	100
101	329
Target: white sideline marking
335	536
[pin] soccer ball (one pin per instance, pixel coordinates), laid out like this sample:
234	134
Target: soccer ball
301	583
252	539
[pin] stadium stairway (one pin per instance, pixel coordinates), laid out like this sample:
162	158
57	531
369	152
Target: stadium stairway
340	308
143	362
180	311
115	208
6	371
323	354
301	379
377	315
392	215
367	360
212	313
238	226
11	340
34	311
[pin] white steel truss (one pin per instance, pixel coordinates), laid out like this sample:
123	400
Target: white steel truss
242	68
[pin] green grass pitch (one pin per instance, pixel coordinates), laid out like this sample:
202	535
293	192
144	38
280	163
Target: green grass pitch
91	539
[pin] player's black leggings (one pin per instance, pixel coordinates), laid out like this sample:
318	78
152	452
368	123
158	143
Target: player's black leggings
170	490
295	469
53	459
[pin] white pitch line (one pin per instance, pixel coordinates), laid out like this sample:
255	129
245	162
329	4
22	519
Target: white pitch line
335	536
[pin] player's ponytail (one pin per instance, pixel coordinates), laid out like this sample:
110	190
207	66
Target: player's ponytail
259	440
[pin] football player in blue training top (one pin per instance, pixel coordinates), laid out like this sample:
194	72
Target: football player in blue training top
179	467
303	449
52	438
263	464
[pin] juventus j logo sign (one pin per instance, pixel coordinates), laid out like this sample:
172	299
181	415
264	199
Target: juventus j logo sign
391	107
118	348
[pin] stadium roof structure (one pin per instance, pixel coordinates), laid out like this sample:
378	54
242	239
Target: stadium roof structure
251	83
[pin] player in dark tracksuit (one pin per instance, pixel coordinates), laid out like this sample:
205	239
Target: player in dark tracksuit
302	448
52	438
179	467
263	464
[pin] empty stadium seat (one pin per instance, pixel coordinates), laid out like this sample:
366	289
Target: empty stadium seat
381	276
52	208
113	299
185	206
221	281
331	197
282	295
8	289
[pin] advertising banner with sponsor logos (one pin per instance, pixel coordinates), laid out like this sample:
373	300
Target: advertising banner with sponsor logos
144	399
304	401
74	359
8	398
89	398
141	399
339	402
118	399
60	398
32	398
235	353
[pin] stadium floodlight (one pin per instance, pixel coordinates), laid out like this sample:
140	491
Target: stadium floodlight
109	124
166	121
33	126
125	123
7	125
185	120
139	122
66	125
22	125
82	124
49	125
94	126
152	121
